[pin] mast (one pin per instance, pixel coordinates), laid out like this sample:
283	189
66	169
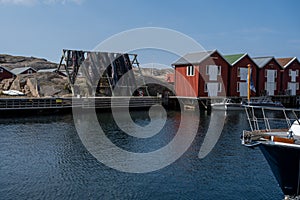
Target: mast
249	79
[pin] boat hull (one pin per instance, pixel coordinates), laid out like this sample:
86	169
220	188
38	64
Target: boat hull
284	162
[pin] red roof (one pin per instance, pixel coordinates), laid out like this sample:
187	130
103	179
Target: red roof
284	61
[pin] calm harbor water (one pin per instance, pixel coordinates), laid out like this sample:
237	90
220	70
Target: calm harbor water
44	158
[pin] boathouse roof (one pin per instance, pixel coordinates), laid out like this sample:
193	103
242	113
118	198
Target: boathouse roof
20	70
5	68
234	58
262	61
195	57
285	62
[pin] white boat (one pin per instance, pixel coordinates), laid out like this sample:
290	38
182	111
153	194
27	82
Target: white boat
227	104
13	93
263	101
279	141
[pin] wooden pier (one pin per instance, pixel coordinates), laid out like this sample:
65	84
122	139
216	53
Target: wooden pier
171	102
13	104
204	103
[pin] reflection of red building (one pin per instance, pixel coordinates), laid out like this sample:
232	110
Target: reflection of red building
238	86
170	78
5	73
269	76
290	76
206	72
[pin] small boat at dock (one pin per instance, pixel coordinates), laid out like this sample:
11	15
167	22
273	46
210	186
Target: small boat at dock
227	104
263	101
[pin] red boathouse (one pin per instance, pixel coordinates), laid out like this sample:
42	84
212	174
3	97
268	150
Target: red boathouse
269	78
238	86
290	76
206	72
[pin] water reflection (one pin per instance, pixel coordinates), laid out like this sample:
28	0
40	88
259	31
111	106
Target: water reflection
43	158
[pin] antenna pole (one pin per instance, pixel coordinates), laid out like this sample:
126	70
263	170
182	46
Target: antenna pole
249	78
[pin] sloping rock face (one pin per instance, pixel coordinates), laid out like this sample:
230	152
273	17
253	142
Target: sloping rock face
6	83
11	62
48	84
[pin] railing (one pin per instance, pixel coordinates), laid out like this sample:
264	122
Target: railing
265	118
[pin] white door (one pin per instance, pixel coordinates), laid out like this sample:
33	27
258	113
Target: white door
212	89
243	89
213	72
271	75
270	88
292	87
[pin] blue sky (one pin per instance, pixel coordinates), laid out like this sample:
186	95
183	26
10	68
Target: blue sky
42	28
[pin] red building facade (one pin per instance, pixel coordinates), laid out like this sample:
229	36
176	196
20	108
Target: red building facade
5	73
290	75
269	76
238	85
205	72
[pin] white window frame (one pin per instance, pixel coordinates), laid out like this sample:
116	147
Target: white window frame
219	69
190	70
219	87
290	72
266	74
29	71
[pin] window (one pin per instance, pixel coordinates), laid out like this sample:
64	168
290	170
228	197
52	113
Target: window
208	69
1	70
297	86
238	87
190	70
238	72
29	71
290	72
266	72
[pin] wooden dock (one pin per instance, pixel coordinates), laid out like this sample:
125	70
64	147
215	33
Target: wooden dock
7	104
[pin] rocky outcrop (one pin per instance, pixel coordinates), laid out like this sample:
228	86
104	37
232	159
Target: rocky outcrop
6	83
11	62
48	84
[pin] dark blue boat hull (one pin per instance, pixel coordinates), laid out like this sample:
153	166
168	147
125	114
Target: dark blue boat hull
284	162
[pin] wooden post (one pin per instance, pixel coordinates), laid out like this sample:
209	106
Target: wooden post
249	79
